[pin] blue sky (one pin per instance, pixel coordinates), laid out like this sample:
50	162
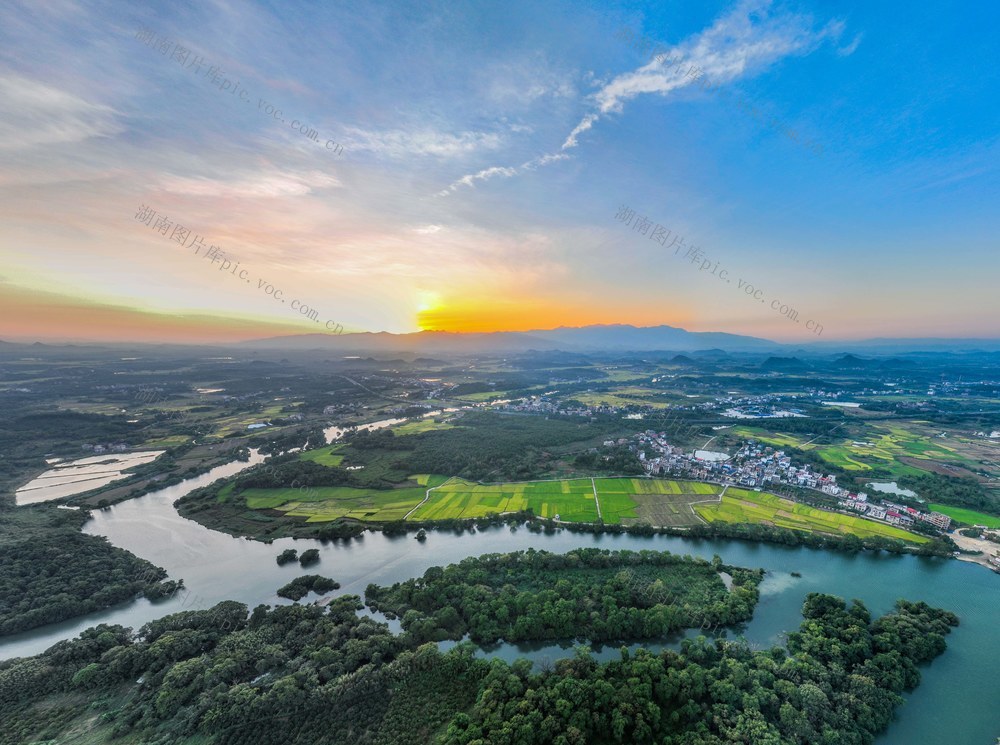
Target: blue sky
486	152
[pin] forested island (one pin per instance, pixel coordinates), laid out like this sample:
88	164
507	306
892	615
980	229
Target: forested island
299	587
306	674
588	593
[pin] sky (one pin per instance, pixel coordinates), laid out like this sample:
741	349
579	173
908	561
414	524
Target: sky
220	170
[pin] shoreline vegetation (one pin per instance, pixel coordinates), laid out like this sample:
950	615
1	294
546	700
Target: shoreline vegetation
627	504
51	572
380	479
309	673
218	507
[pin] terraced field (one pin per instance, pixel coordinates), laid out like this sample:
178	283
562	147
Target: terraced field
742	506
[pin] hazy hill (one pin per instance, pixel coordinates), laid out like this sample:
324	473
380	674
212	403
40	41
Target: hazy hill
586	338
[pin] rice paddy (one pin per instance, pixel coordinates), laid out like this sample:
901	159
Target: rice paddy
571	500
428	497
742	506
654	501
625	501
881	447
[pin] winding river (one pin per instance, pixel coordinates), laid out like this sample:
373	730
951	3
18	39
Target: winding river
954	703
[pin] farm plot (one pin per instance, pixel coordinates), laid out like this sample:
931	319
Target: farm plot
326	503
742	506
655	501
572	500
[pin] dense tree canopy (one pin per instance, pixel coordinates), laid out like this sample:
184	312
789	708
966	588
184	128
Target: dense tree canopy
299	587
486	446
304	674
589	593
838	682
957	492
61	574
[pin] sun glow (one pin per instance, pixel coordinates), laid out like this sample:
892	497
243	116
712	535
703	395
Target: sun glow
428	305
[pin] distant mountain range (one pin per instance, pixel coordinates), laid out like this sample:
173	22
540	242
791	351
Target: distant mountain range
617	338
605	338
613	338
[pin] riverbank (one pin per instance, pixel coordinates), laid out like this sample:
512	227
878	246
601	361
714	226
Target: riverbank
217	567
967	543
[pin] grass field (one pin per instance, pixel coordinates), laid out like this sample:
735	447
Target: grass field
742	506
238	423
622	500
326	456
674	510
967	516
777	439
421	425
482	396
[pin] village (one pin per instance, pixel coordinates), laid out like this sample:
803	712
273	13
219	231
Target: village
756	465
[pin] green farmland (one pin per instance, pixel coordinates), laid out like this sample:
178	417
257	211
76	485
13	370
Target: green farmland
327	456
625	501
967	516
742	506
622	500
572	500
654	501
882	446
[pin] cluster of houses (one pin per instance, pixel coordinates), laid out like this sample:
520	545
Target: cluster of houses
892	513
753	465
757	465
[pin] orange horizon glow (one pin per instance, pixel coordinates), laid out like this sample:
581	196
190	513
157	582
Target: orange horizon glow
35	314
28	315
488	315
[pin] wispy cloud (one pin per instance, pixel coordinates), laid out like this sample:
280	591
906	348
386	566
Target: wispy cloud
405	143
483	175
34	114
746	40
850	48
263	184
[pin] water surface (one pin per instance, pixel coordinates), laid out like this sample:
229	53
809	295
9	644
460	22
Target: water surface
954	704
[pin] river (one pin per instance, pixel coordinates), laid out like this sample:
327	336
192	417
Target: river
952	704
